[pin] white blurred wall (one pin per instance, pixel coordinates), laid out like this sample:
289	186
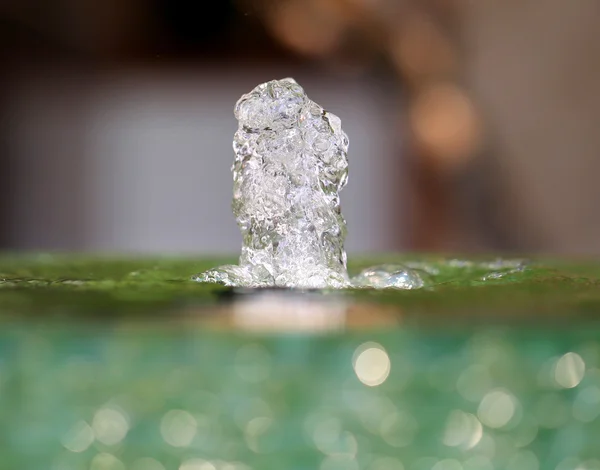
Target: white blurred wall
140	162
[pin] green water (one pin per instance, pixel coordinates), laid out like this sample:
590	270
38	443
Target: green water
125	364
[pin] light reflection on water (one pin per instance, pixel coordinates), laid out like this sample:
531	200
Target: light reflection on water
324	396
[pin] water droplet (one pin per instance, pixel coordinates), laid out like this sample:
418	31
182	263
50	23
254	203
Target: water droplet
389	276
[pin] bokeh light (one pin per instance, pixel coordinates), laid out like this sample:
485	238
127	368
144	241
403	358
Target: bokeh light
79	437
569	370
178	428
110	426
236	404
497	408
371	364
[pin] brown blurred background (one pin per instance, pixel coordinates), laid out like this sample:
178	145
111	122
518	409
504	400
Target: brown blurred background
473	124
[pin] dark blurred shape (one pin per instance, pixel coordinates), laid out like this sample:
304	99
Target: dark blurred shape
189	29
495	104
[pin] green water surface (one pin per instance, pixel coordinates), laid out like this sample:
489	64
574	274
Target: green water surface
113	364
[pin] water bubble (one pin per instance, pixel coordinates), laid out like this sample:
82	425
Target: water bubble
389	276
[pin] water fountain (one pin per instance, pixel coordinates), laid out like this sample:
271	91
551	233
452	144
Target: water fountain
290	165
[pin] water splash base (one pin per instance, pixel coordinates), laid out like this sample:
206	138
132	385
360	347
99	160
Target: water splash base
290	165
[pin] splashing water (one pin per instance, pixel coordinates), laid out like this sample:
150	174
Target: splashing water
290	165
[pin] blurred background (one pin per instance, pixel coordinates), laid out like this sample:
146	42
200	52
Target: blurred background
473	125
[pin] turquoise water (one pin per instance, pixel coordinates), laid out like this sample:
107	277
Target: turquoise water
169	395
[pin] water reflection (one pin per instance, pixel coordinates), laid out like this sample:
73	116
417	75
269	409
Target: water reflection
281	310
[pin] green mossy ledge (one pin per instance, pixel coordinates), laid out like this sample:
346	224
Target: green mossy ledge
82	286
